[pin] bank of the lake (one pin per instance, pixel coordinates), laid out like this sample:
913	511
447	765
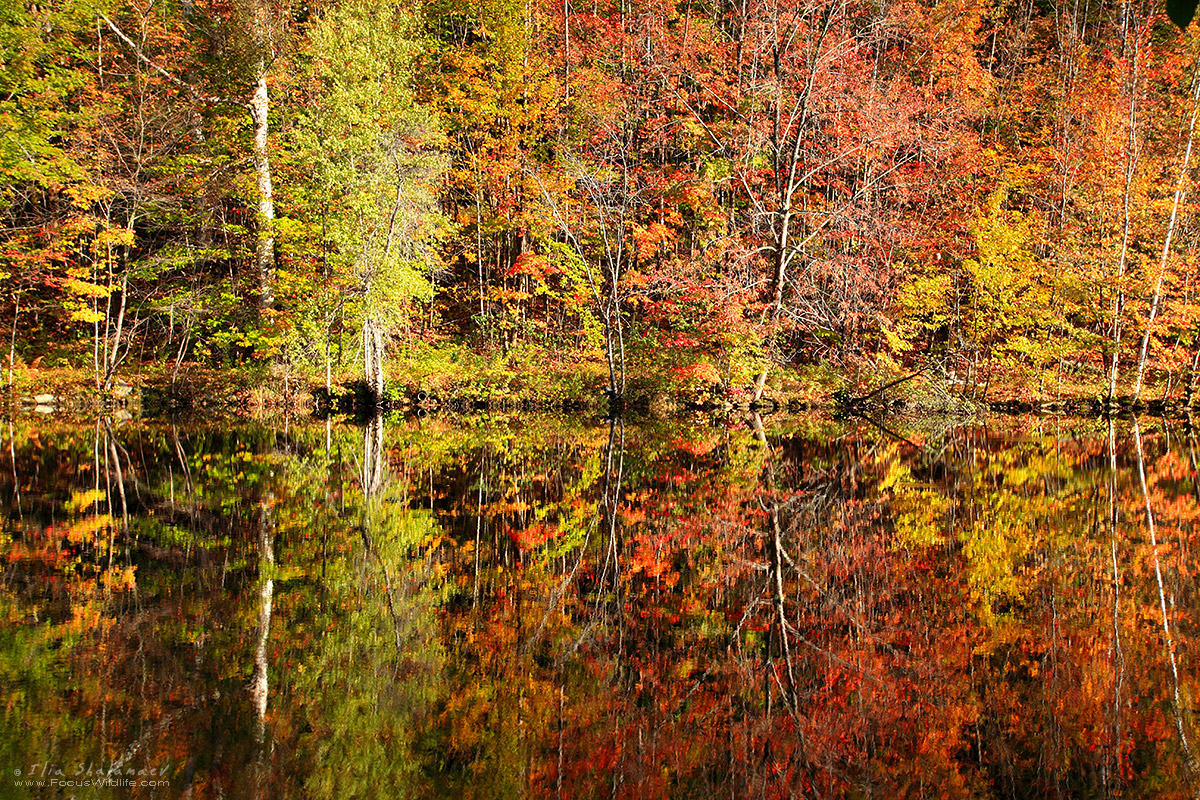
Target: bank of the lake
501	385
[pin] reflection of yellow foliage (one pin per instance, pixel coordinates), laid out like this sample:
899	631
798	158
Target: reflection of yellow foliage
1013	493
84	531
918	508
997	548
84	499
119	579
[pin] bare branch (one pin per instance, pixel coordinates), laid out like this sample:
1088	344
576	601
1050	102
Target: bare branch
189	88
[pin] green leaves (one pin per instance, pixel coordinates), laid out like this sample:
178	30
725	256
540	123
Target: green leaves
374	158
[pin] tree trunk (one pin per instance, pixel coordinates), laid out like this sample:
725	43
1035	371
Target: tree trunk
1162	264
372	342
12	344
1132	152
1168	638
259	107
259	686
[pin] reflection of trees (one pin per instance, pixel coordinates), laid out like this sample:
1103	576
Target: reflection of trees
367	690
258	685
373	468
617	610
1168	639
607	584
1113	759
610	503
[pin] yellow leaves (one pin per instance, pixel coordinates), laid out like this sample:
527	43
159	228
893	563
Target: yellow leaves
84	499
85	195
895	343
996	548
117	237
87	616
291	572
896	473
86	315
84	531
926	297
119	579
513	507
919	508
81	297
81	288
1020	475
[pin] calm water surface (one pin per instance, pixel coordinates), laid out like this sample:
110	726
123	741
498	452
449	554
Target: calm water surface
550	607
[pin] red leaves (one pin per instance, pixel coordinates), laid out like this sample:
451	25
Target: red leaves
534	265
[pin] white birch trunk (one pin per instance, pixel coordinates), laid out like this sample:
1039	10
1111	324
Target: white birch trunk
1166	250
259	108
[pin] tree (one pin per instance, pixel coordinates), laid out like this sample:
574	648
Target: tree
827	132
376	160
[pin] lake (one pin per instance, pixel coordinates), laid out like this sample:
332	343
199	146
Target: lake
473	606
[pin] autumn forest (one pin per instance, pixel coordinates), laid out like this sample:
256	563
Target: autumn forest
655	348
721	200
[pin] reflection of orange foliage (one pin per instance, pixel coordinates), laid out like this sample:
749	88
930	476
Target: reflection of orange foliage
534	536
85	530
900	679
632	516
651	558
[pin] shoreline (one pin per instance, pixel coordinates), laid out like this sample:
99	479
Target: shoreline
242	394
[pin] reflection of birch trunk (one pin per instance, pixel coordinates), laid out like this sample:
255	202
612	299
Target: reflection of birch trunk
186	469
116	457
1191	427
259	686
1118	656
1169	641
369	544
373	478
374	461
610	501
606	510
479	527
788	686
112	464
12	454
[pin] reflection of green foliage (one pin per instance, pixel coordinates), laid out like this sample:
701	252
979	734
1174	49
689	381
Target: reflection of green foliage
365	697
32	672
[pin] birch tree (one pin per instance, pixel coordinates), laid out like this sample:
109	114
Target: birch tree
376	157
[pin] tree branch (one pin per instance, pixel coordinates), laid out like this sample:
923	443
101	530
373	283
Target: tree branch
189	88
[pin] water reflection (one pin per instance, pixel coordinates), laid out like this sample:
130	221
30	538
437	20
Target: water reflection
551	608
